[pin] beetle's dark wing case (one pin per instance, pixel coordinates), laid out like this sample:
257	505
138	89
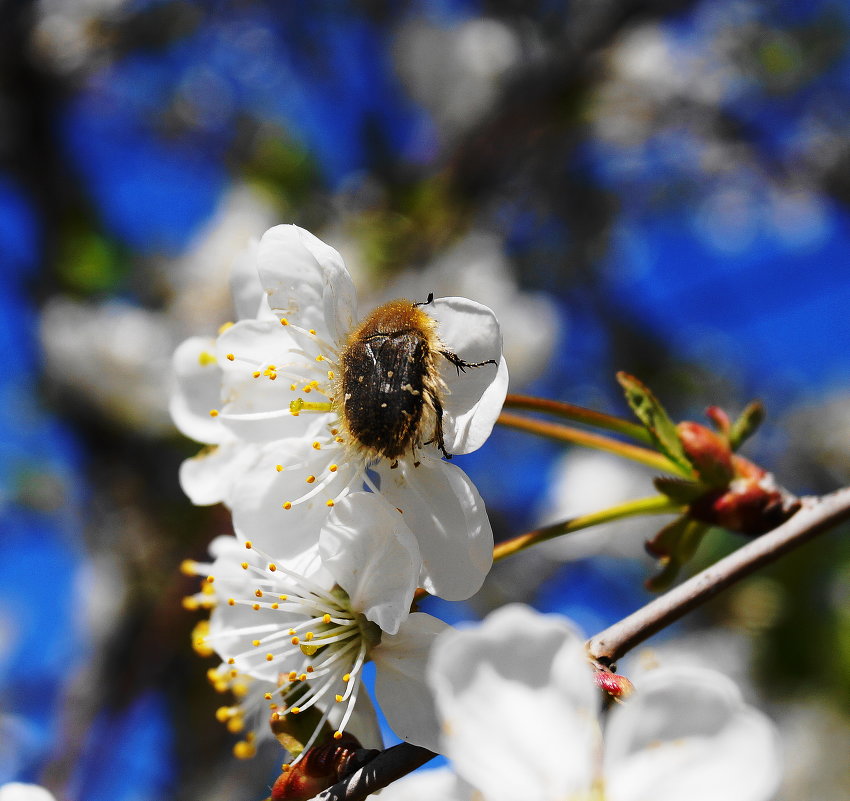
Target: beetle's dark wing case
383	383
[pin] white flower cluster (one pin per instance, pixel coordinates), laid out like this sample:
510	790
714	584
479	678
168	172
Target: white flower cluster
326	438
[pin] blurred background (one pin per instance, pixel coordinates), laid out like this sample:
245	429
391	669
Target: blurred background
659	186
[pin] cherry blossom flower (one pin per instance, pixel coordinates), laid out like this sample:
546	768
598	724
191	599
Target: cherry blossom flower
266	394
519	714
289	643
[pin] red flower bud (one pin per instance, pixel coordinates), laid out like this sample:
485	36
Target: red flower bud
321	767
709	453
616	686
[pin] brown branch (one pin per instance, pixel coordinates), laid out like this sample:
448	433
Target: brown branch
815	516
385	768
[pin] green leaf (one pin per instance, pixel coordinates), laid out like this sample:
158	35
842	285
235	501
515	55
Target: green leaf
674	545
678	489
651	413
745	426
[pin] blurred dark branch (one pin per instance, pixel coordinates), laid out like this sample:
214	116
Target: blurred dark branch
816	516
388	766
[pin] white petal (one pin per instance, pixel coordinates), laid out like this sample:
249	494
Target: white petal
400	686
197	390
443	509
475	397
257	497
257	408
437	784
373	556
18	791
249	300
518	706
307	280
687	733
208	477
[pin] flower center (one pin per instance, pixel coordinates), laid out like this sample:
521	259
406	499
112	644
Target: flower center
312	638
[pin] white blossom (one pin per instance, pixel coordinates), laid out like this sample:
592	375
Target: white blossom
263	392
295	642
520	719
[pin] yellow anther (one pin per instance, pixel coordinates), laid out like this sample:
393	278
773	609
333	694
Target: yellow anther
346	677
273	707
302	677
248	545
230	357
244	750
244	565
310	479
279	468
275	605
213	412
285	767
331	375
231	661
334	431
292	631
207	589
233	674
190	603
310	668
255	643
256	374
339	439
231	602
205	358
284	321
293	387
210	579
317	446
258	593
309	636
313	331
320	358
189	567
224	326
269	657
338	699
307	388
283	597
295	641
272	376
235	725
255	607
337	735
272	567
295	710
333	468
224	713
267	696
326	618
286	505
240	690
292	675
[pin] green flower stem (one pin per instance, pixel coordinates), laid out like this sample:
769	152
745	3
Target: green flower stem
600	442
579	414
657	504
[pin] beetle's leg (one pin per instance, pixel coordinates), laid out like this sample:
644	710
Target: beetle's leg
438	425
425	303
460	364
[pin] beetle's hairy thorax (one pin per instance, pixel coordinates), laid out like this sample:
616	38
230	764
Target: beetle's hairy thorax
389	380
